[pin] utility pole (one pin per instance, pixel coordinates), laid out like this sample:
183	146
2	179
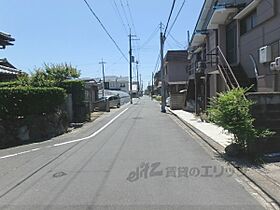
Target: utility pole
141	83
152	89
137	73
130	63
162	75
103	75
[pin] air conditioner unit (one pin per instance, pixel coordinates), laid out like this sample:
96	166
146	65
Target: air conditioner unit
272	66
277	63
265	54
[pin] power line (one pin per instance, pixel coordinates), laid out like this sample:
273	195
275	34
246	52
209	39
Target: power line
157	64
154	33
125	15
134	28
176	17
171	11
130	14
177	42
104	28
119	14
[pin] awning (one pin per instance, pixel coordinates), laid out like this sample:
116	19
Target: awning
198	39
220	16
249	8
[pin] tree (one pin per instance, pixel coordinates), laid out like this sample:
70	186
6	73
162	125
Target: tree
231	111
61	72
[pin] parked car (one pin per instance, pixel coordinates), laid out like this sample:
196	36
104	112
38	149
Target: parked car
114	101
167	102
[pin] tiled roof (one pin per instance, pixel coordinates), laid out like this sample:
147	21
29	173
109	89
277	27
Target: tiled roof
6	39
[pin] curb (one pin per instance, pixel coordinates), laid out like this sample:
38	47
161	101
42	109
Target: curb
266	186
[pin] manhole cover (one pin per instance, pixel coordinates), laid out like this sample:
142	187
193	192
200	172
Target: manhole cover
59	174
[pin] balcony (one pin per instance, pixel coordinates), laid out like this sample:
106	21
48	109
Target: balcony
220	15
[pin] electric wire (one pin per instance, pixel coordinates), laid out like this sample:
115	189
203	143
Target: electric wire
104	28
170	14
125	15
172	25
153	34
121	18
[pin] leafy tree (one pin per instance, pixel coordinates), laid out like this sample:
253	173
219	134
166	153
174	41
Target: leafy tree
39	78
231	111
61	72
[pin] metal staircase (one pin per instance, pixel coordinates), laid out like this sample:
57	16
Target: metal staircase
224	68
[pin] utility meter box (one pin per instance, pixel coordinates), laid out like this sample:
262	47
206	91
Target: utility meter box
265	54
277	63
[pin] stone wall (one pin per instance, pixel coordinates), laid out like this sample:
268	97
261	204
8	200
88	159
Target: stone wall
32	129
266	111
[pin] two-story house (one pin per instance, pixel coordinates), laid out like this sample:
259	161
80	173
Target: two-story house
175	65
236	43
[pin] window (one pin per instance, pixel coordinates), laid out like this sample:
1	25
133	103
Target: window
248	23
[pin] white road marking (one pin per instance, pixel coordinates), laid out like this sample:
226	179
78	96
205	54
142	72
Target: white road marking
94	134
68	142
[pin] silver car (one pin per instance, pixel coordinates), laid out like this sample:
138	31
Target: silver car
114	101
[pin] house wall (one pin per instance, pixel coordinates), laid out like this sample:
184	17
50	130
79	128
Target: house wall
265	33
176	71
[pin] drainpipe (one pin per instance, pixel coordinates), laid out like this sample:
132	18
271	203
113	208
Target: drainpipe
255	69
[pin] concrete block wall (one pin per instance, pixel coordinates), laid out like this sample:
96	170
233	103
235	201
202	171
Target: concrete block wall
266	111
177	101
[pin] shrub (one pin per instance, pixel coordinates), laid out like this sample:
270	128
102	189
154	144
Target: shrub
158	98
76	88
9	84
231	110
23	101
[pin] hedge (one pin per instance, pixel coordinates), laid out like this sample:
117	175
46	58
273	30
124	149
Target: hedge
76	88
9	84
23	101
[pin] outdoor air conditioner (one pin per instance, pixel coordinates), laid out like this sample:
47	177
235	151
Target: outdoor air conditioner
265	54
277	63
272	66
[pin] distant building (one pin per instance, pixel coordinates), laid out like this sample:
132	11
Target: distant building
8	71
175	67
116	83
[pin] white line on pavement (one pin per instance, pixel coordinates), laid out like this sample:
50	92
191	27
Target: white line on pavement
68	142
94	134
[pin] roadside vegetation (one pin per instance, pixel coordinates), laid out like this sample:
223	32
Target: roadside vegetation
34	107
231	111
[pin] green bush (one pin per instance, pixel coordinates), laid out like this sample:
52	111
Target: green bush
23	101
76	88
9	84
158	98
231	110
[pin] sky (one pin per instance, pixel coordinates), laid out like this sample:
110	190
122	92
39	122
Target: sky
65	31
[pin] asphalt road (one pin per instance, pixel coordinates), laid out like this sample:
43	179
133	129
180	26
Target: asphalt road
134	157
